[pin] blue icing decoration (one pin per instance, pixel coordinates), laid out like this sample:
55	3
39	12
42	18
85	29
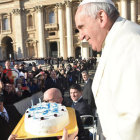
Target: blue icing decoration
45	112
48	105
55	105
55	110
32	109
37	108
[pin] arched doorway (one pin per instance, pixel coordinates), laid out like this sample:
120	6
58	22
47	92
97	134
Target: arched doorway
78	52
53	49
7	48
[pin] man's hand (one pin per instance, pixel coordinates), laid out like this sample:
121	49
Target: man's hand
12	137
72	136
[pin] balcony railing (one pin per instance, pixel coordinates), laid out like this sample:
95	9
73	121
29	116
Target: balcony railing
52	26
30	28
5	31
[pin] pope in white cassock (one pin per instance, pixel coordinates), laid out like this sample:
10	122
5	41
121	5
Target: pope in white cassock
116	85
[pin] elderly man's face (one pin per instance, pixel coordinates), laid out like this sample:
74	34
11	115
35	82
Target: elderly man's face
1	106
52	98
84	76
89	29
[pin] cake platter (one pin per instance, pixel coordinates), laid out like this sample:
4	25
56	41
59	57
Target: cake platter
22	134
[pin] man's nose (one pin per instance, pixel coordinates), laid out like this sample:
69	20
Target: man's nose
81	36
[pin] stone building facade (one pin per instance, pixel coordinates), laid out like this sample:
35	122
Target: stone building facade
46	28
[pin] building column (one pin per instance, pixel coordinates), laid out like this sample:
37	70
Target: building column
1	52
61	31
85	52
58	49
84	49
0	23
124	8
18	33
14	49
69	29
133	10
48	48
41	40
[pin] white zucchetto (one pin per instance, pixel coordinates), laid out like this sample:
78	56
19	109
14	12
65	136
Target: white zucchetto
94	1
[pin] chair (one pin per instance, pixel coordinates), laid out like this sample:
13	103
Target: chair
89	123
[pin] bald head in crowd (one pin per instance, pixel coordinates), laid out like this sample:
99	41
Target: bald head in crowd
53	95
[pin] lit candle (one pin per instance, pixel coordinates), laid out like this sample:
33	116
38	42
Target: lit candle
39	100
32	103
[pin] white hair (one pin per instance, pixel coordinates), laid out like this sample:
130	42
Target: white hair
92	9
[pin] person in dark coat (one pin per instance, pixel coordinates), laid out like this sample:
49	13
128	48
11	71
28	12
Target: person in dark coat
9	117
87	91
80	105
53	82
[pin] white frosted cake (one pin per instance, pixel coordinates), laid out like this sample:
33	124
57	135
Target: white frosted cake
46	118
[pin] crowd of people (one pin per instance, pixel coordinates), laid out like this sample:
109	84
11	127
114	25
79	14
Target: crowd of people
19	82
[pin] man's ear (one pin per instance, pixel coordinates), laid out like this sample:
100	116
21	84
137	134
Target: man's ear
102	18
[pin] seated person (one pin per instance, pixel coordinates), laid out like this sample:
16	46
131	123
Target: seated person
9	118
81	106
10	96
22	92
78	103
55	95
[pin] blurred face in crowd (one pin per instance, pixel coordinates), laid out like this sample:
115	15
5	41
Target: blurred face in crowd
53	95
1	68
34	68
53	75
16	66
8	87
19	86
1	106
45	75
21	67
62	71
30	75
85	76
75	94
60	67
7	64
19	81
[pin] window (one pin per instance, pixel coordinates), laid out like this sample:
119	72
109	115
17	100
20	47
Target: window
51	17
30	20
52	33
5	24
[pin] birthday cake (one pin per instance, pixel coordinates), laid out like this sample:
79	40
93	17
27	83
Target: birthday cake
46	118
